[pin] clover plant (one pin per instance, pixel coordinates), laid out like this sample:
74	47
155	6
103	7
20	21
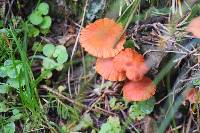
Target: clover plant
40	22
55	57
11	71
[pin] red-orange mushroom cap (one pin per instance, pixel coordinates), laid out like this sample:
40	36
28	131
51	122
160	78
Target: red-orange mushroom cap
139	90
106	69
132	63
192	95
99	38
194	27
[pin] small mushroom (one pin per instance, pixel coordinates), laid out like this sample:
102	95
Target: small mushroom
139	90
194	27
192	95
132	63
99	38
107	70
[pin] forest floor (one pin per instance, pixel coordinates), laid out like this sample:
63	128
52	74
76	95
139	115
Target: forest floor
49	82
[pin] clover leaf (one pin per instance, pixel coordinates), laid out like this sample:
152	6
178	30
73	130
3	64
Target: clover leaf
49	63
46	23
43	8
9	68
9	128
61	54
35	18
3	72
48	50
33	32
4	89
15	82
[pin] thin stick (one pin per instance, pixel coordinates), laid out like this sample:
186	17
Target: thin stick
96	109
75	46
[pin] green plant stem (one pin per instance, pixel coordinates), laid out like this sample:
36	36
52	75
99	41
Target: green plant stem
134	6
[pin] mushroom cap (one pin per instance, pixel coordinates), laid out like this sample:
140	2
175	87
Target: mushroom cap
137	72
106	69
98	38
132	63
192	95
139	90
194	27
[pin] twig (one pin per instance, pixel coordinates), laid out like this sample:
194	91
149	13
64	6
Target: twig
96	109
9	10
75	46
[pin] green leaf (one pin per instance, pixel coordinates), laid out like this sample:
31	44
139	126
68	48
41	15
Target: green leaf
61	54
43	8
9	68
9	128
8	63
111	126
129	44
59	67
46	23
49	63
3	72
48	75
3	107
147	106
4	89
37	46
35	18
11	72
112	102
48	50
14	82
44	31
32	31
16	115
1	23
139	109
128	14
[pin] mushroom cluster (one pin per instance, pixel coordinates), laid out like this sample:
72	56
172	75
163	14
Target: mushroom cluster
104	40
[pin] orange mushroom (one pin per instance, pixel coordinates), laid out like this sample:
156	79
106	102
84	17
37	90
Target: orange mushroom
192	95
139	90
98	38
132	63
106	69
194	27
